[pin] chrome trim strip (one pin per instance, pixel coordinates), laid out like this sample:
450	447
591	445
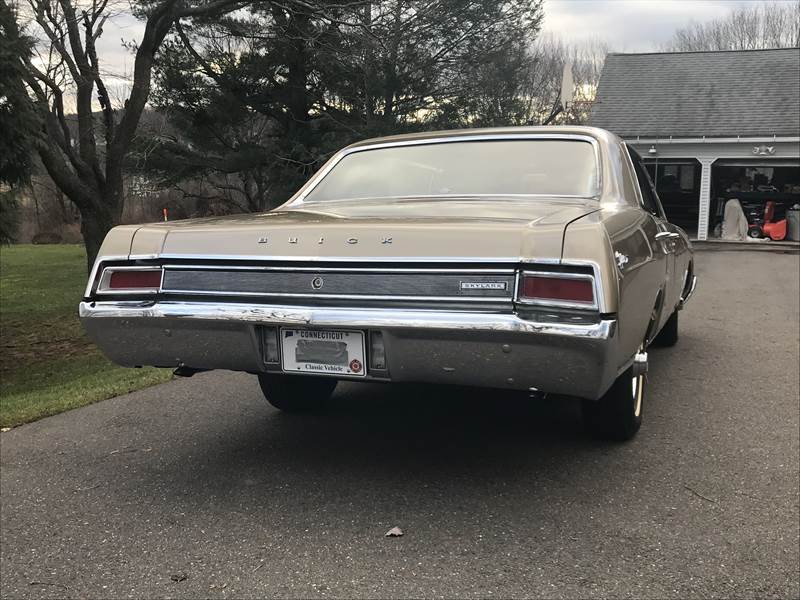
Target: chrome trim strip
142	256
634	179
101	261
599	296
299	199
559	274
343	317
342	296
195	267
498	197
342	259
96	267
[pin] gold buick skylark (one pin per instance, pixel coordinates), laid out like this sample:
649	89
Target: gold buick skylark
530	258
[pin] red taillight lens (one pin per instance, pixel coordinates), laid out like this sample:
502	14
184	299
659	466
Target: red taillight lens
552	288
131	279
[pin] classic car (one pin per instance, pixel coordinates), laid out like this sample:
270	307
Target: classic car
530	258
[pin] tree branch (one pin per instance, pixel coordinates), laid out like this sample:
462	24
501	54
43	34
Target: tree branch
84	82
55	118
211	7
102	93
158	25
45	18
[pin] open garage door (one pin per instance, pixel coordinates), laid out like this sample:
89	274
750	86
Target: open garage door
754	183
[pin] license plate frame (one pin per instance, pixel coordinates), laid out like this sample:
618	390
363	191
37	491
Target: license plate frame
319	352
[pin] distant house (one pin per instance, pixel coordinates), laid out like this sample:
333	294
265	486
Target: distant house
710	125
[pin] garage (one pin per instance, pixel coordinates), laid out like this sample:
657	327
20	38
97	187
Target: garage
755	184
713	127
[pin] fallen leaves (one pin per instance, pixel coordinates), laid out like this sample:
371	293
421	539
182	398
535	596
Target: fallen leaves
394	532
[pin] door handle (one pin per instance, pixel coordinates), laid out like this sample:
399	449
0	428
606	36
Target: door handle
667	235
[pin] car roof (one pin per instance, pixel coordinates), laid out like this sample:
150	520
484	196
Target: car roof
593	132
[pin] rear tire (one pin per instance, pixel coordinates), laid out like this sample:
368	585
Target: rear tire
668	336
618	414
296	393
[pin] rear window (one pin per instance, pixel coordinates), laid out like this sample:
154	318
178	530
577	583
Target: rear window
534	167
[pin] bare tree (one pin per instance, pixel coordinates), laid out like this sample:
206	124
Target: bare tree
768	25
83	144
542	83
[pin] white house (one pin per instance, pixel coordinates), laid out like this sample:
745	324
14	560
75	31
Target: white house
710	125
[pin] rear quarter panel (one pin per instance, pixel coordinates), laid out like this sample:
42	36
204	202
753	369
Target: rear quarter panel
631	289
586	242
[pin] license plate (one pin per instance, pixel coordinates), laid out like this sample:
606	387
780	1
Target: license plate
323	352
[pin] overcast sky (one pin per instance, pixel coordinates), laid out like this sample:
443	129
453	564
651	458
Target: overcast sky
630	25
626	25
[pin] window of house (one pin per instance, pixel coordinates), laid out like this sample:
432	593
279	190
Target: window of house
673	177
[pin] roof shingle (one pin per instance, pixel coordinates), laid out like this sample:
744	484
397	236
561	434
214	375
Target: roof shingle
695	94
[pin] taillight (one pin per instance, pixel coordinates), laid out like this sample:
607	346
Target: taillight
134	280
560	289
130	280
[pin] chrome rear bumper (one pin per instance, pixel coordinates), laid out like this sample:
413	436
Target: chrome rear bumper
467	348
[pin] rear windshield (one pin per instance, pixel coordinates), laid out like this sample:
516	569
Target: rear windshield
476	168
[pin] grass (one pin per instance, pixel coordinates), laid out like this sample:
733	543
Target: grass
47	364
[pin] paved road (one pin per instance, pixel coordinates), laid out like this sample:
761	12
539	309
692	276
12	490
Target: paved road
200	479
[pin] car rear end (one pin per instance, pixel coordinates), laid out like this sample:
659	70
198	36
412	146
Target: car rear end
539	326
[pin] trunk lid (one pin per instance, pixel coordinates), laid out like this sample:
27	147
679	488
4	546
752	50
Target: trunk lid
370	230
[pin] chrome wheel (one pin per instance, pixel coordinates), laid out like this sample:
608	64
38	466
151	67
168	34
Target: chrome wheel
617	415
637	388
637	385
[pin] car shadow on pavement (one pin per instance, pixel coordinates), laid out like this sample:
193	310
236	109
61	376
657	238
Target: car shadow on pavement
372	417
376	444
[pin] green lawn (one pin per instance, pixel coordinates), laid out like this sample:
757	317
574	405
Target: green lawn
47	364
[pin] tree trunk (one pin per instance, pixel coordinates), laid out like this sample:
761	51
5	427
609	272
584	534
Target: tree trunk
100	213
94	227
93	181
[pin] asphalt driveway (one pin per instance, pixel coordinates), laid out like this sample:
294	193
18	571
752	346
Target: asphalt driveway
198	488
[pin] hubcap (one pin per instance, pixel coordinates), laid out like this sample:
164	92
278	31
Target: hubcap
636	390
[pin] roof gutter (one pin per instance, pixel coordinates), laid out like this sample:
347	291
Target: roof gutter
710	140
